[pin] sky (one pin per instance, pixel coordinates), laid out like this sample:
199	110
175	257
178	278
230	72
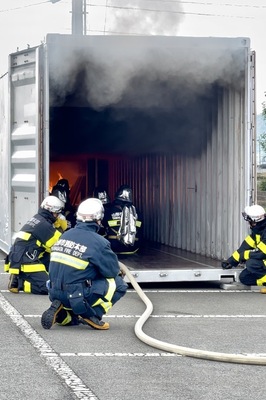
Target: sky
25	23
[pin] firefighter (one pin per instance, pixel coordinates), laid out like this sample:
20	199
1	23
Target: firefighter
62	191
28	259
123	223
252	251
84	274
101	194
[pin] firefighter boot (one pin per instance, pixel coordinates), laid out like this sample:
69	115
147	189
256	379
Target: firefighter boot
263	289
49	316
94	322
13	284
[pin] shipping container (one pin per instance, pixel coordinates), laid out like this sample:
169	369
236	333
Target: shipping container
173	117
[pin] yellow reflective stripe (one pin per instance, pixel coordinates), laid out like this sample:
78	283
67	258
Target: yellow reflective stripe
246	254
27	287
15	271
23	235
69	260
6	267
262	246
107	305
53	239
261	281
236	256
257	238
38	243
138	224
111	289
127	252
28	268
250	241
114	222
66	320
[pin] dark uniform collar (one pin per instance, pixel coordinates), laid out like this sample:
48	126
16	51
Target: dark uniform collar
88	226
47	215
259	227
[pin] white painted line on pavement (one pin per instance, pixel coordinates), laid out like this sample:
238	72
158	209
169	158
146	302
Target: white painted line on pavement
52	359
174	316
218	291
120	355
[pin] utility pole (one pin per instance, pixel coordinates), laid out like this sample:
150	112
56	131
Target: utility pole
79	14
78	17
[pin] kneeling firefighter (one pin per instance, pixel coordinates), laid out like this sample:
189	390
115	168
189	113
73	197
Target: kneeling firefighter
85	279
29	256
252	251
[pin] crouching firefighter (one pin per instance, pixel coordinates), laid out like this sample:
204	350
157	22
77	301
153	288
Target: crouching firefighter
84	274
28	259
252	251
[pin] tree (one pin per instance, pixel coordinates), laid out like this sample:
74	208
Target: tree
262	138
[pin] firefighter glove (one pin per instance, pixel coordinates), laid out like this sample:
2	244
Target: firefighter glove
226	265
61	222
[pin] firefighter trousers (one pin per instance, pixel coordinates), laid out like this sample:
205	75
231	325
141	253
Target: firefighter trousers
90	299
34	282
254	273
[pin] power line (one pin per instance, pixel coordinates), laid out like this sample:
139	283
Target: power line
208	3
201	3
28	5
172	11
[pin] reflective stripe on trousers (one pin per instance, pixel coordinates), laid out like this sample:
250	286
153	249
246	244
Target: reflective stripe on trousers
107	305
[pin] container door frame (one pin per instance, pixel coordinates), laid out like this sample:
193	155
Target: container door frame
28	166
251	175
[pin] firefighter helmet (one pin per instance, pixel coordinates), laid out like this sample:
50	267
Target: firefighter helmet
53	204
254	213
60	193
90	210
124	193
64	185
102	195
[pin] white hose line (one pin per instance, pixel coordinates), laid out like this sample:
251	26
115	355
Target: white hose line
185	351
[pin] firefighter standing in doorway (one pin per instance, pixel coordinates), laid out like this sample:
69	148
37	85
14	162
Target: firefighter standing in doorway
123	223
101	194
62	191
29	256
252	251
84	274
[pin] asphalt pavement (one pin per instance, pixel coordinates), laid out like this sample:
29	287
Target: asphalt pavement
80	363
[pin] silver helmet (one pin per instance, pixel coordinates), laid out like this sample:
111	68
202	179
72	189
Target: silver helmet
90	210
53	204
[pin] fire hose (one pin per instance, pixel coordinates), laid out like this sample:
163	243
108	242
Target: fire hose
184	351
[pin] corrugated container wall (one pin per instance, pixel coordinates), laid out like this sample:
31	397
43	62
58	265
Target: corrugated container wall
194	203
4	165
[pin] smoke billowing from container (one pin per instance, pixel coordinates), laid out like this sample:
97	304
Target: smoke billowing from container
143	77
144	17
141	88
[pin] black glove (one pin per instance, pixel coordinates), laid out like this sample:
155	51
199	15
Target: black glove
226	265
122	273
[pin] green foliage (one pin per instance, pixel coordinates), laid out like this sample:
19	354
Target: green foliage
262	138
262	141
264	110
262	185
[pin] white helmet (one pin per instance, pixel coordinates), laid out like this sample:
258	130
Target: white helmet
52	204
90	210
254	213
